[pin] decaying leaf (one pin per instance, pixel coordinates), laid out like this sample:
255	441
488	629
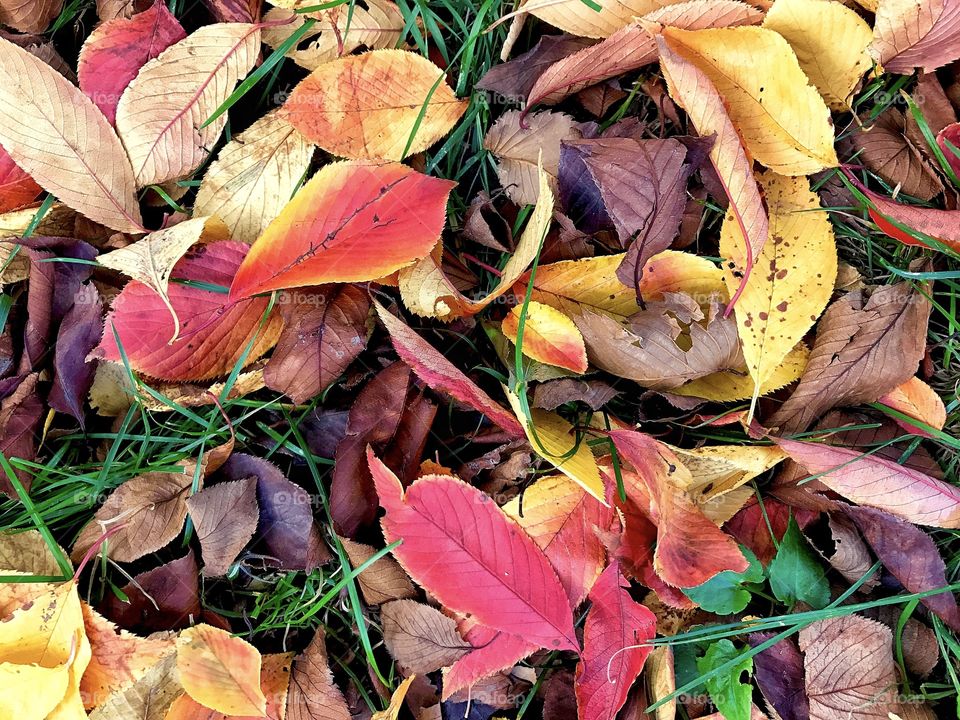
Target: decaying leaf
910	35
313	693
29	17
225	516
384	580
384	104
421	638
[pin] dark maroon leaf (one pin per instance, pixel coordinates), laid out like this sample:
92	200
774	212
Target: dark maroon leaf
779	673
287	533
513	80
324	330
173	587
239	11
40	291
910	555
484	225
79	333
374	419
20	415
553	394
405	451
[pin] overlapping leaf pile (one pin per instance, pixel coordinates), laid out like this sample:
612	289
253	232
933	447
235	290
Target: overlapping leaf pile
681	406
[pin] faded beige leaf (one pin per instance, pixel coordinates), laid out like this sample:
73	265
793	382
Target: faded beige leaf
225	516
912	34
254	176
421	638
578	18
161	113
148	698
384	580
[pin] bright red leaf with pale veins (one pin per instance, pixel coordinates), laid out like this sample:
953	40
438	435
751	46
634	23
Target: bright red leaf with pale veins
214	332
353	221
613	650
461	547
17	188
116	50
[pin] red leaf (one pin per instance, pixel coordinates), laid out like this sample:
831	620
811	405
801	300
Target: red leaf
610	659
116	50
353	221
461	547
17	188
493	651
214	332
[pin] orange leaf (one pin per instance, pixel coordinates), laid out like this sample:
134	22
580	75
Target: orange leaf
352	222
220	671
549	336
921	402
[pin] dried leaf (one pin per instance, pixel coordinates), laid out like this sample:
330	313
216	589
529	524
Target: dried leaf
885	149
512	81
492	651
384	580
384	104
254	176
352	221
31	16
148	698
160	121
779	673
80	160
419	637
220	671
910	35
17	188
165	598
921	402
577	18
79	333
225	516
313	694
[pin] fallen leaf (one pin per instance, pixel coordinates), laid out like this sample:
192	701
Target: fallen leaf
613	647
553	394
384	104
794	573
29	17
27	552
164	598
782	120
214	331
878	482
17	188
730	385
313	694
600	20
225	517
324	331
160	120
254	176
520	145
392	712
632	47
830	41
549	336
910	35
884	148
384	580
849	668
919	401
491	652
114	52
562	519
20	414
149	698
850	555
82	161
338	31
556	441
220	671
420	638
779	673
79	333
513	80
438	516
350	222
864	348
727	690
795	273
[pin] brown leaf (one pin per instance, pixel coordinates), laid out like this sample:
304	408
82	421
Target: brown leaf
324	330
29	16
864	348
20	414
850	556
225	516
922	34
165	598
553	394
313	695
384	580
885	149
648	351
149	510
850	669
27	552
148	698
511	82
421	638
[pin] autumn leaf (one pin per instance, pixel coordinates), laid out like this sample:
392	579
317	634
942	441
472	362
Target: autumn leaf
161	122
830	41
82	161
254	176
163	598
492	651
613	647
863	349
384	580
783	121
114	52
384	104
516	77
139	319
794	278
313	693
339	30
220	671
149	698
910	35
419	637
919	401
577	18
353	221
17	188
439	515
29	17
549	336
225	516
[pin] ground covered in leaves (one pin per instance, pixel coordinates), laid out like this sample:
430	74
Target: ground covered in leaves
578	358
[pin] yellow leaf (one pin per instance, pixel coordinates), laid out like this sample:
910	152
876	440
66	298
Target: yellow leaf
579	18
396	702
220	671
426	291
549	336
830	41
151	259
554	439
730	385
367	107
921	402
149	698
782	119
161	113
43	647
793	277
570	285
254	176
